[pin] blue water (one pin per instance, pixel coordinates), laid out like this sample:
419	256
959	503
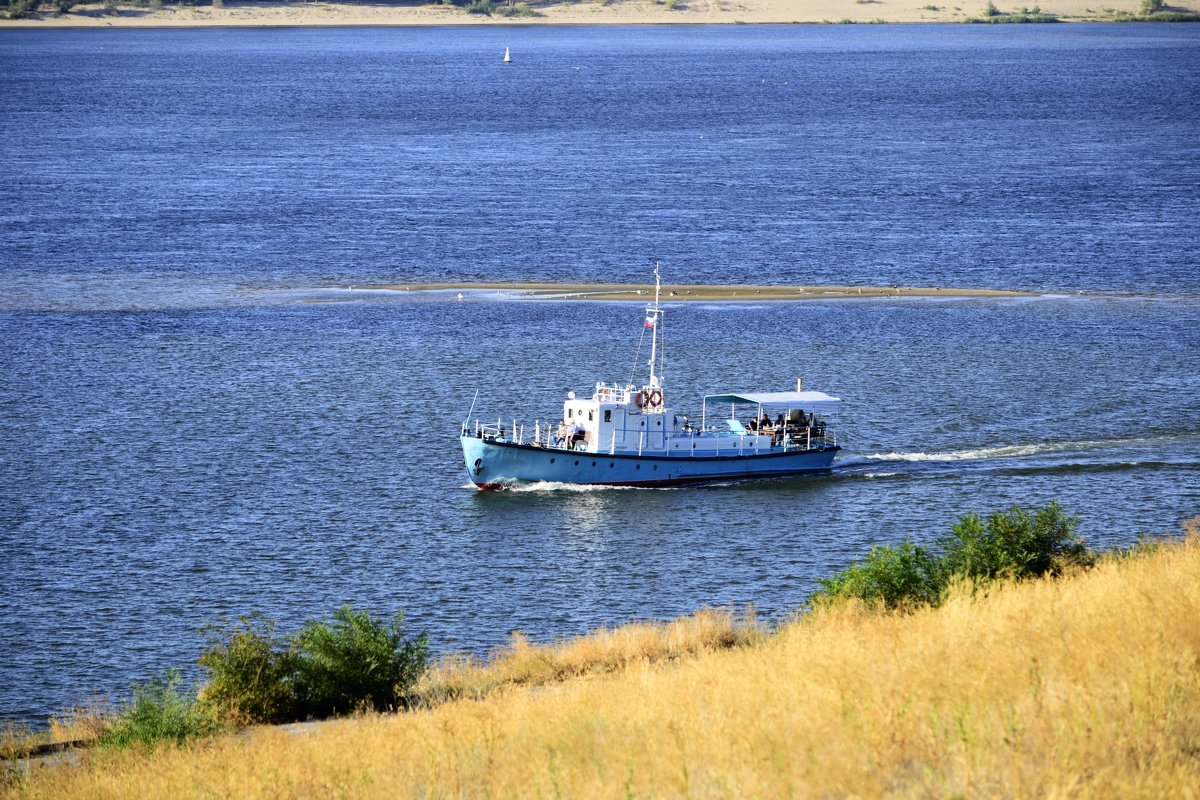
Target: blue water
199	419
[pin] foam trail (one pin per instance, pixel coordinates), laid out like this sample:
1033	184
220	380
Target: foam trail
1013	450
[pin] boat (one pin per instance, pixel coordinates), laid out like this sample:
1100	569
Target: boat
507	57
627	434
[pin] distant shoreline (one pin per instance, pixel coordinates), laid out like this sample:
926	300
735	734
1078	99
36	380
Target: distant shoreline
694	292
595	12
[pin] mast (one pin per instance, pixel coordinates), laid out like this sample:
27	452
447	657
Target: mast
654	316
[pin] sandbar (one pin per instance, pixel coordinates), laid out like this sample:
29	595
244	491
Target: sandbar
685	292
544	12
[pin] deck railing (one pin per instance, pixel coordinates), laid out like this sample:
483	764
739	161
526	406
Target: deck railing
813	438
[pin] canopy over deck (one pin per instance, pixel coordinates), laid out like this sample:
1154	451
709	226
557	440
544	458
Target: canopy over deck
808	401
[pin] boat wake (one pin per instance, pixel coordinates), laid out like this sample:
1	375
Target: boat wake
1177	451
1020	450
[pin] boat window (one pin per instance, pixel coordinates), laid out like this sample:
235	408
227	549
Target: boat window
608	415
570	412
591	416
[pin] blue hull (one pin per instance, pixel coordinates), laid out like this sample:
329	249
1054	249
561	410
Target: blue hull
492	464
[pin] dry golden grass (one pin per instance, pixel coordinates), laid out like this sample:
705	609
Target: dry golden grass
1087	686
79	725
523	664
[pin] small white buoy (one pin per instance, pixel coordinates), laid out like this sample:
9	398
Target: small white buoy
460	296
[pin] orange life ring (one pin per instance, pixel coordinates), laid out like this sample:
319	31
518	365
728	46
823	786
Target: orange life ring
640	399
655	399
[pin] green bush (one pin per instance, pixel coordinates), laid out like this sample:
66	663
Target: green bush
1009	544
355	661
160	713
518	10
252	672
351	662
1013	544
1151	6
891	576
486	7
22	9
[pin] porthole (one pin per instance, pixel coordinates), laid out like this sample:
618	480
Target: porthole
593	463
552	461
639	466
577	463
656	467
611	464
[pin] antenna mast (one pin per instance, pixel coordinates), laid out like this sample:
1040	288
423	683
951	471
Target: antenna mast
653	317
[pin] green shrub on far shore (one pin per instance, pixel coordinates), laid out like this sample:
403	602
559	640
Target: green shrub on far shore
22	9
160	713
994	15
1010	544
518	10
1157	16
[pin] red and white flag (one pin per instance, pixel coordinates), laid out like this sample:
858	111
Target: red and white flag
651	319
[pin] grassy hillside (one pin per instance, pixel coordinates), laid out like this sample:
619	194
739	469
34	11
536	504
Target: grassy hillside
1085	686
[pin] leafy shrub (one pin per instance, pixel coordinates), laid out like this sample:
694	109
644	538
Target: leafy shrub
63	6
518	10
160	713
891	576
355	661
1013	544
486	7
990	10
1009	544
1151	6
22	9
351	662
252	673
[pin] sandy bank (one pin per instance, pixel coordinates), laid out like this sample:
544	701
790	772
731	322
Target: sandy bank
612	12
686	292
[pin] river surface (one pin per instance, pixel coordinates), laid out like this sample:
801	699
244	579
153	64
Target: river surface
202	413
